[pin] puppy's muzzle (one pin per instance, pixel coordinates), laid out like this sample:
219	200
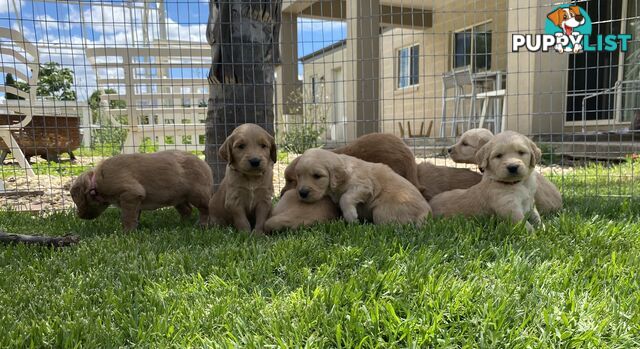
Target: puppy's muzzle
303	192
255	162
513	169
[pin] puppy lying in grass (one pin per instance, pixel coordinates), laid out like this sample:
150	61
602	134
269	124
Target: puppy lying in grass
374	190
376	147
136	182
243	199
437	179
548	197
508	186
382	148
292	213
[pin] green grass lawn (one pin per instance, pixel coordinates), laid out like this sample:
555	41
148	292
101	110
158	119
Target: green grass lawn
452	283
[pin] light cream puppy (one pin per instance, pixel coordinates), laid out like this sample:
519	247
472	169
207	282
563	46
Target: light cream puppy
374	190
243	198
548	197
507	188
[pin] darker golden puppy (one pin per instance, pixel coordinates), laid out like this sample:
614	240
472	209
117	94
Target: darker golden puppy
136	182
244	196
291	213
369	190
437	179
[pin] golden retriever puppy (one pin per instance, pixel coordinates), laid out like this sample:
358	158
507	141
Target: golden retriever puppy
437	179
380	148
243	198
507	188
136	182
292	213
464	151
548	197
375	190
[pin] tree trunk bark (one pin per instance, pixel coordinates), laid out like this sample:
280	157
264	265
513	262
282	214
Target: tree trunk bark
244	36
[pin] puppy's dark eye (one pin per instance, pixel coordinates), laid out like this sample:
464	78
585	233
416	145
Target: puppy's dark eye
263	146
498	156
565	16
241	146
465	144
521	153
317	176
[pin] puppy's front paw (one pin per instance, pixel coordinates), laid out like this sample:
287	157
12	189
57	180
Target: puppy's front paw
350	215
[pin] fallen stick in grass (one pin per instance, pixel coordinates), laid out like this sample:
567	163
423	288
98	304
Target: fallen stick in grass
56	241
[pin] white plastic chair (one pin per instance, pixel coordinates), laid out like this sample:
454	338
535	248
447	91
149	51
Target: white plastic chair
26	53
458	80
499	112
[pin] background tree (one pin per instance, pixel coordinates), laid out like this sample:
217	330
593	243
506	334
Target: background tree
244	36
53	81
56	82
9	80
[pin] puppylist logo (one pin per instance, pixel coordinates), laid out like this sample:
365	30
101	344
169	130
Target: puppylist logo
568	30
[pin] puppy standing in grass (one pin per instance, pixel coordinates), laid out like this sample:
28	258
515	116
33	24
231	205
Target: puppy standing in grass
507	188
548	197
244	196
136	182
381	194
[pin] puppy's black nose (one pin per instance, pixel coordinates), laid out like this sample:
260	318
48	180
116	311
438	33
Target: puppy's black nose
579	18
255	162
449	150
304	192
513	168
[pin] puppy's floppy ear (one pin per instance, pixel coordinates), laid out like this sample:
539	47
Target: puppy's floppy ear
337	175
482	156
225	150
274	149
83	182
556	16
536	153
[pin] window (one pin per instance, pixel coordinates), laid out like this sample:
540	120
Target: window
408	66
472	47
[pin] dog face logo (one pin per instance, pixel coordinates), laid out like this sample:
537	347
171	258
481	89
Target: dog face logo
567	18
568	30
568	24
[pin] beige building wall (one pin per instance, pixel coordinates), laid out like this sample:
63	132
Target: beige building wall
423	102
330	96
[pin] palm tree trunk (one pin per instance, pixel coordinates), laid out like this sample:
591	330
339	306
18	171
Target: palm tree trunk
244	36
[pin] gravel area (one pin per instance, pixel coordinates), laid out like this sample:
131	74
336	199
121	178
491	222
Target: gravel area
51	192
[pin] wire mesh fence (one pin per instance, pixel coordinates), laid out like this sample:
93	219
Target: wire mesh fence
85	80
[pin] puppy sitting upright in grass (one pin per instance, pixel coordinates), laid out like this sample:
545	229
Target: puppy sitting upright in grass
244	196
548	197
374	190
136	182
508	186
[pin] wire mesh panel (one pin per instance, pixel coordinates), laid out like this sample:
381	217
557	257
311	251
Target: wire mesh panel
85	80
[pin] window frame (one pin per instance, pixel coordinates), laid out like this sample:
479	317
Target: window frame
472	60
409	85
